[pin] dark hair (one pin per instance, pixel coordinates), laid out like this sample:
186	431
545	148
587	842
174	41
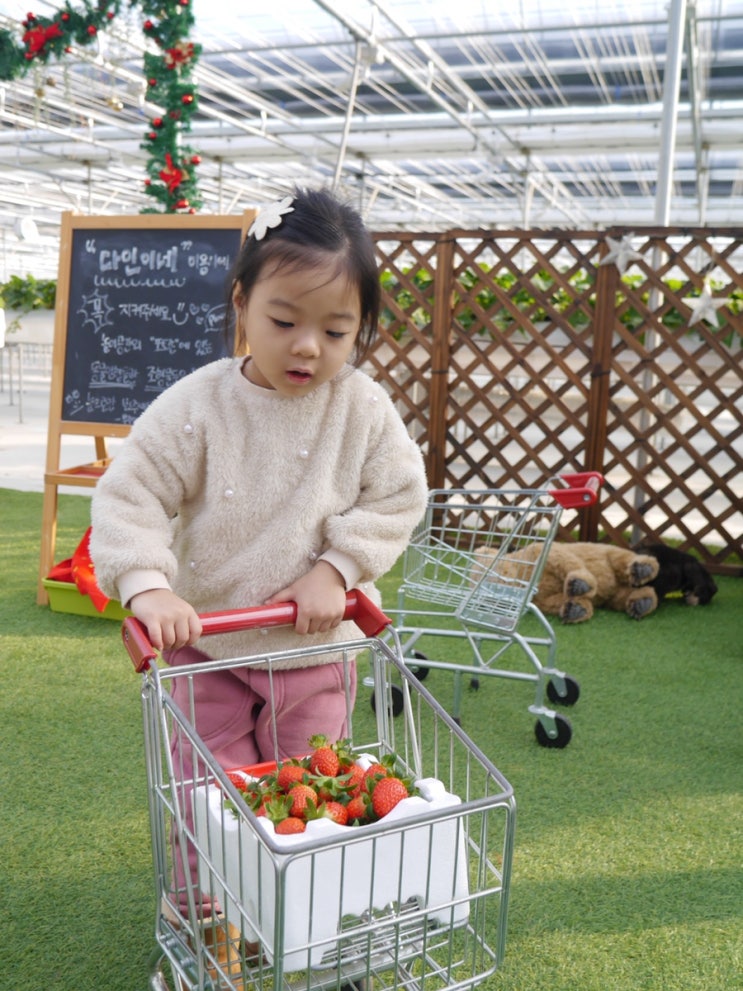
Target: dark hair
318	225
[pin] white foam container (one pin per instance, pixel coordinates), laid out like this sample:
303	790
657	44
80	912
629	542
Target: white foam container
426	862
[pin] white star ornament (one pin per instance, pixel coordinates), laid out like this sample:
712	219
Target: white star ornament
704	307
621	253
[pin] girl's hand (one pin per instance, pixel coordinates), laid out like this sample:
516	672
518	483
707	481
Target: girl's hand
320	596
170	621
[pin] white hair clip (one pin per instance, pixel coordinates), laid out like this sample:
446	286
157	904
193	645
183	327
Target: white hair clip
270	216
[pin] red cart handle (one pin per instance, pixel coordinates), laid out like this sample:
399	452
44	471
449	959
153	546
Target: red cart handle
368	617
581	489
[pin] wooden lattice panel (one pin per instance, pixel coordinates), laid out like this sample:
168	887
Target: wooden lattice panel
402	357
674	428
518	355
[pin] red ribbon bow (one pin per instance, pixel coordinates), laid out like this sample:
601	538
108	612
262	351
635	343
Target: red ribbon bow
36	38
171	175
79	570
180	53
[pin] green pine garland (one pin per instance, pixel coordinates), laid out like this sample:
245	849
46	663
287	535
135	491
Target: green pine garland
171	167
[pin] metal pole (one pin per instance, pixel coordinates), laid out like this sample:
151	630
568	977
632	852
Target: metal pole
671	85
349	113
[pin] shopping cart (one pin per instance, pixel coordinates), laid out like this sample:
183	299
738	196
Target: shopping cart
471	571
417	900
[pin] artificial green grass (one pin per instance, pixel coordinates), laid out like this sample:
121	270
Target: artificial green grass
627	869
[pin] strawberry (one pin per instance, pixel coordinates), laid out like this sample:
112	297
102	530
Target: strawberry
357	809
387	793
275	808
301	797
288	775
353	777
290	826
335	811
238	779
372	774
324	760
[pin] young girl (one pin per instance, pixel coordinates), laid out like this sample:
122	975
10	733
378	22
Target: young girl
283	473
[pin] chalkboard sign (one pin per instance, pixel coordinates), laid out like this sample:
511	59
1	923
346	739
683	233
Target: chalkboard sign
146	307
140	303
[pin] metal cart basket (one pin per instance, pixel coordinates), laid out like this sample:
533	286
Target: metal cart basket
417	900
471	571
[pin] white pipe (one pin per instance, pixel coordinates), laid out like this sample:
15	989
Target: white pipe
671	83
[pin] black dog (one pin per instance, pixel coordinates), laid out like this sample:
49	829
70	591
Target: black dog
678	572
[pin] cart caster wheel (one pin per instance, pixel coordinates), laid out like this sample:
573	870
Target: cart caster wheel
474	684
563	733
419	670
572	692
396	700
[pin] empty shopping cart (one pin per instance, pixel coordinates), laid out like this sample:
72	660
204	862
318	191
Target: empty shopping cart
470	572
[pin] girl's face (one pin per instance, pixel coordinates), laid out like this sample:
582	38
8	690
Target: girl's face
300	326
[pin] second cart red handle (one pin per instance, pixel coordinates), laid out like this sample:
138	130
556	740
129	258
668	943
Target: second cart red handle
368	617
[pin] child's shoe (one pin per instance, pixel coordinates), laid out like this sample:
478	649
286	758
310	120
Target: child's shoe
223	943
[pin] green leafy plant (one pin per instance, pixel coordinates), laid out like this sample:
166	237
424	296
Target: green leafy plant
23	294
26	293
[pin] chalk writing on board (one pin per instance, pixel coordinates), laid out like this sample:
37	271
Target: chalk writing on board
146	307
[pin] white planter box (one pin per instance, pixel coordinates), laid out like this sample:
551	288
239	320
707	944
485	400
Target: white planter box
34	327
322	886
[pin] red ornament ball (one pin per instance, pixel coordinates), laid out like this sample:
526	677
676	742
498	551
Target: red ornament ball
152	83
181	204
195	159
92	29
152	135
157	122
174	114
110	15
148	182
187	98
148	25
65	16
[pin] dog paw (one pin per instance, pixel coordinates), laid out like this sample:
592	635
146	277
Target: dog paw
573	612
577	586
642	572
637	608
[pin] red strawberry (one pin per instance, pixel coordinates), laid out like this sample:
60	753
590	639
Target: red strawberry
289	775
290	826
373	773
238	779
324	760
335	811
302	796
353	776
357	809
386	795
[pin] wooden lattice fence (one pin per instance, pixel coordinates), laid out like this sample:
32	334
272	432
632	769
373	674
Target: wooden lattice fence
516	355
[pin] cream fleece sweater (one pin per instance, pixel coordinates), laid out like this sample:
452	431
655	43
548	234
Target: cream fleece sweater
226	492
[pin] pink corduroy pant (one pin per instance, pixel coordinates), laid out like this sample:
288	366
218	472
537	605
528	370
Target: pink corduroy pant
237	712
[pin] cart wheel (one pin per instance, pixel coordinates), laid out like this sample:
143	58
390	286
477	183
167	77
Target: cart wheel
419	670
563	733
396	700
572	692
474	684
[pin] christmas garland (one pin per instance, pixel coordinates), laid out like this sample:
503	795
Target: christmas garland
171	166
